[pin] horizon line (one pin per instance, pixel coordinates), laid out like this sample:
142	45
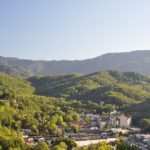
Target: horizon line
31	59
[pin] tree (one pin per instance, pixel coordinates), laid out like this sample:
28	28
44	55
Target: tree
145	124
87	119
69	142
63	145
75	128
126	146
56	147
104	146
42	146
76	117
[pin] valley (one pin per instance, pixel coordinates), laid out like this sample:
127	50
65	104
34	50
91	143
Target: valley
74	107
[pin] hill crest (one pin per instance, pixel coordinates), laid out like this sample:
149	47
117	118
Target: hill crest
135	61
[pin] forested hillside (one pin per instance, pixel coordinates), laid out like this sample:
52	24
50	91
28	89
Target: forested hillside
97	93
112	87
48	116
141	114
127	91
10	86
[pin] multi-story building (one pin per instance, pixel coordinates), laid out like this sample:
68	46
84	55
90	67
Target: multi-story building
125	121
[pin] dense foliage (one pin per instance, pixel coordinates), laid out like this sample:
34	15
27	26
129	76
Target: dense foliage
106	146
128	91
10	139
112	87
97	93
10	86
100	146
20	109
141	114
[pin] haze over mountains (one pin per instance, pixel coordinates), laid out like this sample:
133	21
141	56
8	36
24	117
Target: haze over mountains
135	61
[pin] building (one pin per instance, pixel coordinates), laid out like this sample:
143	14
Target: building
113	119
120	120
103	121
125	121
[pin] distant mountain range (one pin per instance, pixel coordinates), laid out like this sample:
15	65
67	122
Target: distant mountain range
135	61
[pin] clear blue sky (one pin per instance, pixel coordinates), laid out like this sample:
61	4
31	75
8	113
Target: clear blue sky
72	29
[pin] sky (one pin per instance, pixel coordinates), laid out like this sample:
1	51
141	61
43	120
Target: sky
72	29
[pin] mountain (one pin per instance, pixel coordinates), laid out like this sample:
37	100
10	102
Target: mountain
14	71
135	61
113	87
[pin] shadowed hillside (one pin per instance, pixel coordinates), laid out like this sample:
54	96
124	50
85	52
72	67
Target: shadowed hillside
109	86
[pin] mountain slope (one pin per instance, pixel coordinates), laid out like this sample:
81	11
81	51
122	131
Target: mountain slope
109	86
10	86
128	91
14	71
136	61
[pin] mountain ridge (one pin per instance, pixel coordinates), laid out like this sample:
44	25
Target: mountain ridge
135	61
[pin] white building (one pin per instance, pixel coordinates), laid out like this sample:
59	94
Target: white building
125	121
120	120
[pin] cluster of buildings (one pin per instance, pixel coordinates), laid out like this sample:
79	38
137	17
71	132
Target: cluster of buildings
97	127
111	120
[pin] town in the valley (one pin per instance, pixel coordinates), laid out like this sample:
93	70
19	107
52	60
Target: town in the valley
97	128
